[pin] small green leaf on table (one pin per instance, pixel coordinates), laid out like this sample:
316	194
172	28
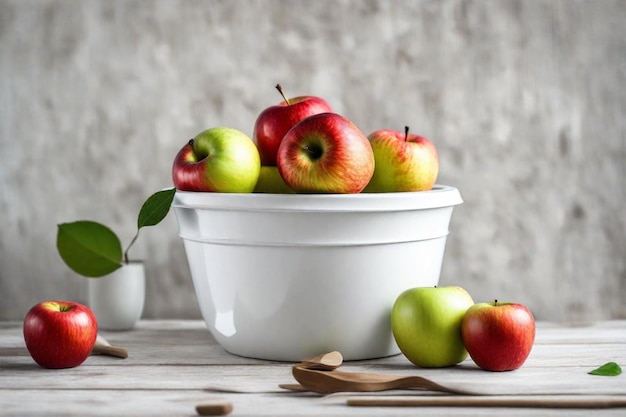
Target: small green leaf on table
608	369
89	248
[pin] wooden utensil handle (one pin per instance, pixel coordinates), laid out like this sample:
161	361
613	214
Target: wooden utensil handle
214	408
536	401
118	352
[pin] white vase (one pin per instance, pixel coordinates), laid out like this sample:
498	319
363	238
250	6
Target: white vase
117	299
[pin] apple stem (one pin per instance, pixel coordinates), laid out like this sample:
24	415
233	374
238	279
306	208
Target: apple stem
495	302
280	90
406	133
190	143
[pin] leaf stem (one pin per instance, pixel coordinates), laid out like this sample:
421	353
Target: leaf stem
129	245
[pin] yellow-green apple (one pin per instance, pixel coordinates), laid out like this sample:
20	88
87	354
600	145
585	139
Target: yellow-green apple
325	153
220	159
273	123
498	336
426	325
270	181
60	334
404	162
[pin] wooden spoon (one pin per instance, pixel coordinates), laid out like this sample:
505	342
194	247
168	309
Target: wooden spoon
102	347
325	382
324	362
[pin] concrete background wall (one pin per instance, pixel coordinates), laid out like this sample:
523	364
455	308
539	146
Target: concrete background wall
525	101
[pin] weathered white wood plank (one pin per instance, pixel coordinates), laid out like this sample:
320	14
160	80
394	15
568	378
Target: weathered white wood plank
182	403
180	342
172	362
570	380
613	331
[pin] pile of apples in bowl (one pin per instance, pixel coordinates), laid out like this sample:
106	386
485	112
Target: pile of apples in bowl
300	239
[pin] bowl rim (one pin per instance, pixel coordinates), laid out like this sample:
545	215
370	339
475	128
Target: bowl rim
439	196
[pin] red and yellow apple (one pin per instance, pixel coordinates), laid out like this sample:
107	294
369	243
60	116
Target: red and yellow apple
404	162
325	153
220	159
275	121
60	334
498	336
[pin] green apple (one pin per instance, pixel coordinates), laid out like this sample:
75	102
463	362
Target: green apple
270	181
220	159
426	324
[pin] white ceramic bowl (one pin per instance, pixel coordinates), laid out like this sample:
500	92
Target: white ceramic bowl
284	277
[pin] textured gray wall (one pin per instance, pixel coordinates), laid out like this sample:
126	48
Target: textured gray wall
524	99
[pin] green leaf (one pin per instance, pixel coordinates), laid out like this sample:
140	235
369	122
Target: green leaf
89	248
608	369
155	208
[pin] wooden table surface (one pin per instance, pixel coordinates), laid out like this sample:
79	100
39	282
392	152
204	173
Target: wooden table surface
171	365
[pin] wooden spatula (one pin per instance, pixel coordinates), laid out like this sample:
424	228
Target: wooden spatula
319	374
327	382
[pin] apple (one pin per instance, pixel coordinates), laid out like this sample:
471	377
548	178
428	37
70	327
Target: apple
274	122
270	181
220	159
325	153
426	325
404	162
498	336
60	334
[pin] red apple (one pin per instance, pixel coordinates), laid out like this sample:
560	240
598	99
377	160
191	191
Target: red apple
325	153
404	162
498	336
274	122
60	334
220	159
